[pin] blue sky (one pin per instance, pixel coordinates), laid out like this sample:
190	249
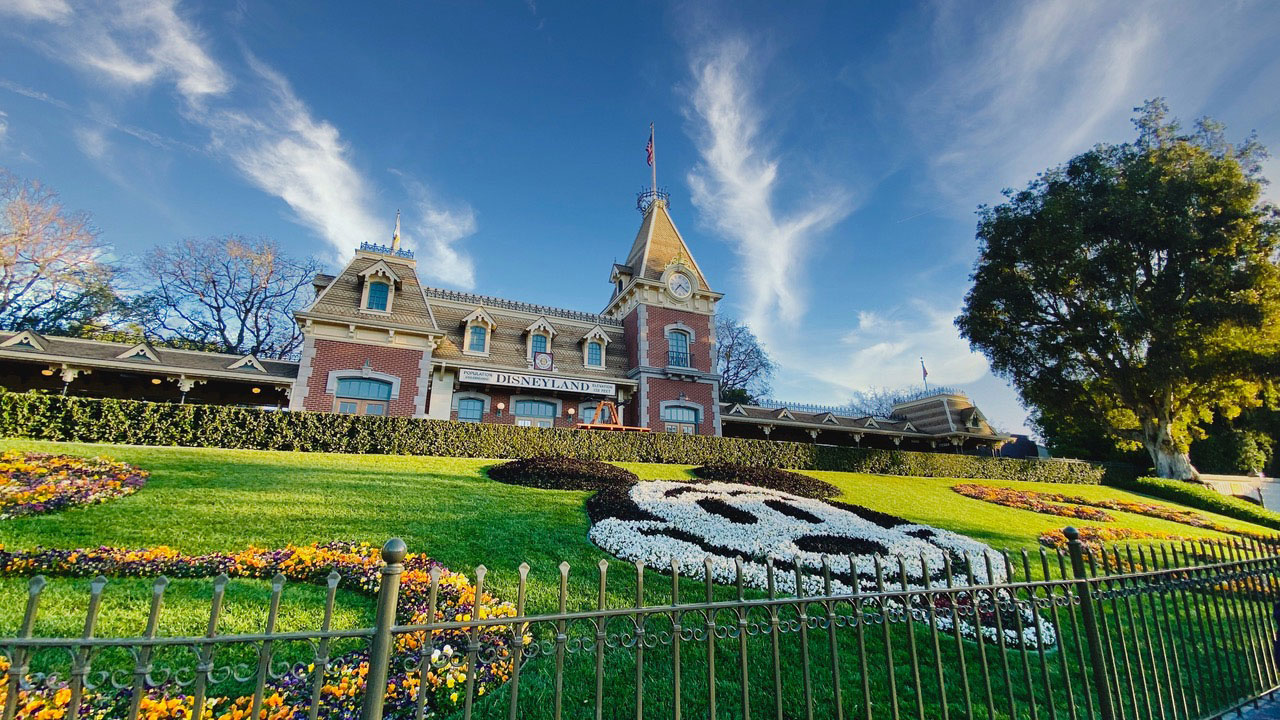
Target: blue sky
824	160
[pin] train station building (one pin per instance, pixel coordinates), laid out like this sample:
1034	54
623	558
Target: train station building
379	342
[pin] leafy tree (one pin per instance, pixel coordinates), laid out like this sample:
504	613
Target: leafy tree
745	368
1232	450
232	294
1135	285
54	274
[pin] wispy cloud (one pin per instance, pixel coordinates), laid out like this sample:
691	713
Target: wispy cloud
282	149
4	127
735	185
884	349
1014	89
52	10
440	227
92	142
255	121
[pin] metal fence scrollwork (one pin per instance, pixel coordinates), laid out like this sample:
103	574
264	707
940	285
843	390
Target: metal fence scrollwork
1172	631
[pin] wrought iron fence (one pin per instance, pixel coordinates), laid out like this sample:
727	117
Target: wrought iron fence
1168	630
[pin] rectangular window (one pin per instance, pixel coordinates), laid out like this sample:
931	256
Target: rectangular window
478	334
378	292
470	409
347	408
539	343
594	356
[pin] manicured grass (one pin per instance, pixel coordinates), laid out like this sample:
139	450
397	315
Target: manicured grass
203	500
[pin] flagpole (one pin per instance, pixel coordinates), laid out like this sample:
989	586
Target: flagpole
654	139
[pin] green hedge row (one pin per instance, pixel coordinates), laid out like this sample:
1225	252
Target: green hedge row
51	417
1201	497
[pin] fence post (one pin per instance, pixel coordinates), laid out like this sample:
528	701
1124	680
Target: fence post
1098	665
375	688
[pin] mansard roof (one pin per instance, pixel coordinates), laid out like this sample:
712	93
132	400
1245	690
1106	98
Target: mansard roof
508	348
340	298
657	244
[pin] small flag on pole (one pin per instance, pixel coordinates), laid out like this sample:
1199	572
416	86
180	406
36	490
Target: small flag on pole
395	236
648	149
924	372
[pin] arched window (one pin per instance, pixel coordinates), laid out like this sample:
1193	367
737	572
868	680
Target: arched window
678	349
680	419
362	396
470	409
595	354
534	413
378	292
538	343
478	342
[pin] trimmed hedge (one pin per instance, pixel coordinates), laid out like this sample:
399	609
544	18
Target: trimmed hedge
1200	497
136	422
556	472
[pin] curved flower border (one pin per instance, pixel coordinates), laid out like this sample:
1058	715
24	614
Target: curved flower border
359	569
671	527
35	483
1075	506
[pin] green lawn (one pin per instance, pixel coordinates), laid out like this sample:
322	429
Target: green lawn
202	500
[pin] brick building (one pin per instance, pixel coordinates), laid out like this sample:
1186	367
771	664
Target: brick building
378	342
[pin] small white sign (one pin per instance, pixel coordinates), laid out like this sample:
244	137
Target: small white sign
535	382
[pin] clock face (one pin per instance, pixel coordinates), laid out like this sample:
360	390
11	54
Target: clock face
680	285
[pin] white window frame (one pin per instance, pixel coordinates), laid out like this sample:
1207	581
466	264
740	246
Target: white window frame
482	318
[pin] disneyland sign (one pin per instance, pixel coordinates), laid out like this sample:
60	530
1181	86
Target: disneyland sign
534	382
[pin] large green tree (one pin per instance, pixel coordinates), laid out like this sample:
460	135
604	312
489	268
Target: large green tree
1136	286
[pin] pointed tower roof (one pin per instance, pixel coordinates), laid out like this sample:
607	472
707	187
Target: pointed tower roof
658	244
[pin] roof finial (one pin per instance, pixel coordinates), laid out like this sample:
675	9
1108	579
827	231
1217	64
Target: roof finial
395	236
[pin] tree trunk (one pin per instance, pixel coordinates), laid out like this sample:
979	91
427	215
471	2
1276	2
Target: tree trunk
1169	462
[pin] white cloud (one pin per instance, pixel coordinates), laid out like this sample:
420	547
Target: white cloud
4	126
884	349
283	150
36	9
264	129
440	228
734	186
1013	89
92	141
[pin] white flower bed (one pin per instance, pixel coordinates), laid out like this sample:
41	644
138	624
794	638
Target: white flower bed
689	534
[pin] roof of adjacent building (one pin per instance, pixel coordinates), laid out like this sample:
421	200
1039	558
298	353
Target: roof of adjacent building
823	420
144	357
942	414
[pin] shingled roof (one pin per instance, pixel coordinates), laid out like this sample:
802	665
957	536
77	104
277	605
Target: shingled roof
507	348
340	298
657	244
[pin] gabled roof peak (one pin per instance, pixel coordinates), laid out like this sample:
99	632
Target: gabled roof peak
658	244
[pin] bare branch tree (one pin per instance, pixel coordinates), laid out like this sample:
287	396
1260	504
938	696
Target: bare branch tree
53	270
232	294
745	367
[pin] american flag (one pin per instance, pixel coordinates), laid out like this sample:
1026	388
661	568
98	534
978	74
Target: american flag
923	370
648	149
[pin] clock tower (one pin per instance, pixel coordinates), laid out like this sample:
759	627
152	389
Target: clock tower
668	314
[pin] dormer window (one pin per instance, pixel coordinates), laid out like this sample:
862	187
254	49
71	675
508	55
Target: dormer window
593	347
538	338
379	293
477	332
